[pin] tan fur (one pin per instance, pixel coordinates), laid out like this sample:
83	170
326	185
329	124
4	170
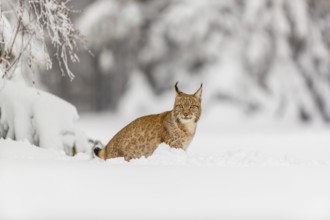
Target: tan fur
142	136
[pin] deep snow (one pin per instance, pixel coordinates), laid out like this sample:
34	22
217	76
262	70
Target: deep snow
247	171
41	118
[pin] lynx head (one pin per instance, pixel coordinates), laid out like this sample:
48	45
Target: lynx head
187	108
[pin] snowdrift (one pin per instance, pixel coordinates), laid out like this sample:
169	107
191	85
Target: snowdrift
41	118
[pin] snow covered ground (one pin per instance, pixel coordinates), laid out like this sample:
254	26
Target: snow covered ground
233	170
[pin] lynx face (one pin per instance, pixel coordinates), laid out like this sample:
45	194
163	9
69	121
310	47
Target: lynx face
187	108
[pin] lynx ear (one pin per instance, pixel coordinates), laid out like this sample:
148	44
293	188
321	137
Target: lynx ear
176	88
198	93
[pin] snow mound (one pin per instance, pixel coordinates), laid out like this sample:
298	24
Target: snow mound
40	118
23	150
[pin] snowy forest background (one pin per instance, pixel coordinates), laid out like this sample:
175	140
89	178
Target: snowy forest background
263	57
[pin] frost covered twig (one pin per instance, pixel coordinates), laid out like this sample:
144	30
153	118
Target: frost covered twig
53	16
36	22
19	23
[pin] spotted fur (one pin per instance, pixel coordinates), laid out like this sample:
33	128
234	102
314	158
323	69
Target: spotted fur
142	136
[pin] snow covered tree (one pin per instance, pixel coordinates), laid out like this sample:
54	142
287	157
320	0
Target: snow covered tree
265	55
28	113
258	53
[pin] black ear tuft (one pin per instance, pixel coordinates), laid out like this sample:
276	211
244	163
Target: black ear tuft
176	87
198	93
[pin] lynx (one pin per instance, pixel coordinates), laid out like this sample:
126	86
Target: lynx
142	136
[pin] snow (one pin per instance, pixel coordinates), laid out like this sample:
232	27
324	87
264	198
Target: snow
237	167
244	169
39	117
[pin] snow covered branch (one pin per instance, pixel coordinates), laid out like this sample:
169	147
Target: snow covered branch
26	25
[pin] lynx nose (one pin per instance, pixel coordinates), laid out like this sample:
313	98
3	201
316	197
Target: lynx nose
185	114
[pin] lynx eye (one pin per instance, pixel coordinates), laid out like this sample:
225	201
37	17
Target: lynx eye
179	106
194	108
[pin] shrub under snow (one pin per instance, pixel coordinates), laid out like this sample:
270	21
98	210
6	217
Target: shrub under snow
43	119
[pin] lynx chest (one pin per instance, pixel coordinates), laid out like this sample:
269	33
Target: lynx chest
181	136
